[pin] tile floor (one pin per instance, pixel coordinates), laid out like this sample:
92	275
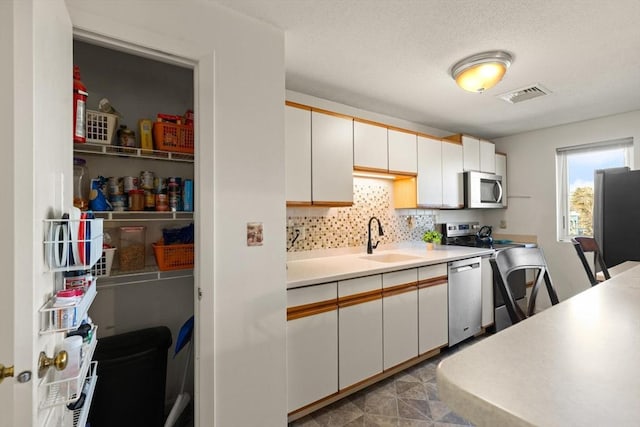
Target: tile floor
407	399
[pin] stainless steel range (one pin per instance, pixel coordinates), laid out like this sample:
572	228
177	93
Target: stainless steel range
472	234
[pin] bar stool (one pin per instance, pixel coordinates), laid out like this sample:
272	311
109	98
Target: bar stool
510	260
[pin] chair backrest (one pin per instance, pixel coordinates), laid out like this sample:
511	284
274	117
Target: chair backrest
510	260
584	245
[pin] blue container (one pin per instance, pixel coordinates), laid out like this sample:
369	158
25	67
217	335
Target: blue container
187	195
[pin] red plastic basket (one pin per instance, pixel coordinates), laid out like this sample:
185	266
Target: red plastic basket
173	257
173	137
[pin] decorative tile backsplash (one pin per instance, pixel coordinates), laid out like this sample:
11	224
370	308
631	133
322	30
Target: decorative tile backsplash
329	228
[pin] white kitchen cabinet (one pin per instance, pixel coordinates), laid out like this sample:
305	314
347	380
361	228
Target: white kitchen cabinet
487	156
429	185
360	329
433	319
487	292
370	147
452	169
402	152
312	344
331	159
479	154
400	313
471	153
501	170
297	155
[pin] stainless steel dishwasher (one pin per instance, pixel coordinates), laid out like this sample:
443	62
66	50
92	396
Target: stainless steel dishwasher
465	299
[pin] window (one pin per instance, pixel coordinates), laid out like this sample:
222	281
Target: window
575	167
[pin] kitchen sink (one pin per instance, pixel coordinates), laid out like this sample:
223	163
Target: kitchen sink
392	257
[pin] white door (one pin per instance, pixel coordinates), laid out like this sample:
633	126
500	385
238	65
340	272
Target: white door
36	120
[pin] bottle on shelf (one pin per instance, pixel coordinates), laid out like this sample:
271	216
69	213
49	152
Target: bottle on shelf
80	190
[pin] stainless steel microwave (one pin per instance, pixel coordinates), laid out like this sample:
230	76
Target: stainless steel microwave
482	190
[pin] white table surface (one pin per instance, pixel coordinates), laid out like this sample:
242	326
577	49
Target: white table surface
617	269
574	364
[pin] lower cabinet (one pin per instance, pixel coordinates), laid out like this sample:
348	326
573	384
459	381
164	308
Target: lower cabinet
433	320
312	344
342	333
400	313
360	329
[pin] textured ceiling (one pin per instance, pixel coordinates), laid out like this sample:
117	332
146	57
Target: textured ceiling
393	57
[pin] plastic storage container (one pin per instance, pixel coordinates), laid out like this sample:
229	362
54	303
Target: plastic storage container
131	253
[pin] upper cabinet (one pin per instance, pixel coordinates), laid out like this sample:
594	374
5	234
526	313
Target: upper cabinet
331	159
297	141
402	152
318	157
487	156
452	184
377	148
478	154
370	146
429	188
439	180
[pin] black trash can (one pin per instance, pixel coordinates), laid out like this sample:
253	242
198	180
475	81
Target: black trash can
131	383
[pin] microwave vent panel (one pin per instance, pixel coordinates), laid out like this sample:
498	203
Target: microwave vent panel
524	94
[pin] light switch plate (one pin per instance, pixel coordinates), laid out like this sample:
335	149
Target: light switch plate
254	234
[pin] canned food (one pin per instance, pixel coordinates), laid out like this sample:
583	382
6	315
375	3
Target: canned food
130	183
118	202
146	180
162	202
159	185
149	200
115	186
126	137
136	200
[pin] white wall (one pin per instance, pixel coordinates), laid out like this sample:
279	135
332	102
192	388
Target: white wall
240	171
531	171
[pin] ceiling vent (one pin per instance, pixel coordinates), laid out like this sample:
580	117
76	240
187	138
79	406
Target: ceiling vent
524	94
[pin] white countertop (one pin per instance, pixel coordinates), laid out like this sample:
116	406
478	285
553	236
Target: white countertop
304	272
574	364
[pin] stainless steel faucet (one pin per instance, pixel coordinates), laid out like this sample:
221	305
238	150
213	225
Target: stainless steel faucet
371	247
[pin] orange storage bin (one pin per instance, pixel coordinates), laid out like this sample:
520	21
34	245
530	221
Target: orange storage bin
173	257
173	137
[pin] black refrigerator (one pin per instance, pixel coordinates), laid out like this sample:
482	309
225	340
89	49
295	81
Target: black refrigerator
616	214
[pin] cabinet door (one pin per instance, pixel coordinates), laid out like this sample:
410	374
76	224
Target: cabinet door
487	292
332	159
369	147
471	148
312	344
429	172
501	169
402	152
452	189
400	313
433	311
487	156
297	143
360	329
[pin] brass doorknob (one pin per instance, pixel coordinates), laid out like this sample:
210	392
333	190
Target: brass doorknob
5	372
44	362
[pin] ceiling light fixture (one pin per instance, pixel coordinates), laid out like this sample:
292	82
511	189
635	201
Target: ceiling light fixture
480	72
